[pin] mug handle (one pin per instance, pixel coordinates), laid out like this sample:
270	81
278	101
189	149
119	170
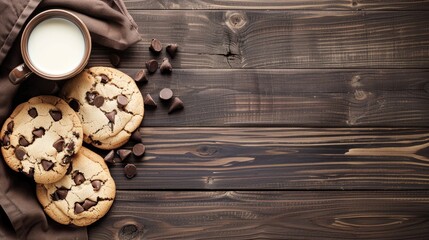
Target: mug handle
19	74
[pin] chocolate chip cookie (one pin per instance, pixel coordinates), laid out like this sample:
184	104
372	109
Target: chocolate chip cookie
108	103
84	195
40	138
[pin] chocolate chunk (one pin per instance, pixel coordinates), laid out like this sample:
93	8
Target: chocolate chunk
98	101
60	194
76	134
137	135
59	144
111	116
47	165
104	78
56	115
74	105
152	66
165	94
23	142
110	156
30	172
177	104
88	203
155	46
39	132
96	184
149	102
90	96
20	153
172	49
123	153
140	76
33	112
139	149
78	178
10	126
115	60
6	140
67	160
166	67
78	208
130	170
122	101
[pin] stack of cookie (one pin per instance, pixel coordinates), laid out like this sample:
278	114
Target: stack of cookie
43	139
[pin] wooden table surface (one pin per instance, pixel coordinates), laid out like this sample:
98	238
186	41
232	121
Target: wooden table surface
303	120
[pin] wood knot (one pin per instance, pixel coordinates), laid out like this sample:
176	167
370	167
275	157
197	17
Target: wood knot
235	20
129	232
360	95
354	3
205	150
355	82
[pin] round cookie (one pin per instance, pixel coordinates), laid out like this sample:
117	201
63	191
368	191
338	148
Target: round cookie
40	137
84	195
108	103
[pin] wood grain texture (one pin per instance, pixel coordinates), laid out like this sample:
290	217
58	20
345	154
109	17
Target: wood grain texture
280	158
292	98
280	4
266	215
282	39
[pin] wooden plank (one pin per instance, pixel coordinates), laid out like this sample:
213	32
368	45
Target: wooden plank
266	215
283	39
280	158
293	97
279	4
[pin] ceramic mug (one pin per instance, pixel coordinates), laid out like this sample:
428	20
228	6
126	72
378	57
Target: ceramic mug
55	45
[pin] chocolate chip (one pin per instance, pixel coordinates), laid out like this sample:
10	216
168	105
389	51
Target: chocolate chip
155	46
78	208
56	115
139	149
110	156
74	105
6	140
90	96
122	101
76	134
152	66
30	172
33	112
165	94
70	168
70	147
59	144
166	67
47	165
130	170
23	142
96	184
88	203
39	132
10	126
67	160
137	135
123	153
20	153
60	194
78	178
177	104
140	76
104	78
172	49
111	116
115	60
98	101
149	102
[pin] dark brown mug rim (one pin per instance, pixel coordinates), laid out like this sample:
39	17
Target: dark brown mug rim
51	14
